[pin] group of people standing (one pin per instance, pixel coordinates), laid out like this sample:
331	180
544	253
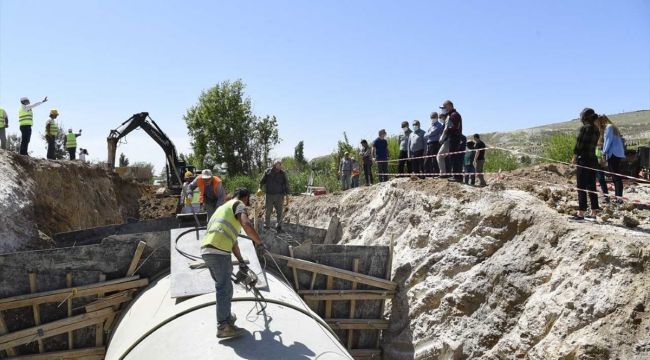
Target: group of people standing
441	151
599	144
52	131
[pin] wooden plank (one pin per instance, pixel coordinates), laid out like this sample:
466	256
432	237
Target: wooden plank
389	270
4	330
68	283
363	354
53	328
338	273
87	353
109	301
136	258
62	294
358	324
328	303
346	294
353	302
293	269
313	280
99	328
36	309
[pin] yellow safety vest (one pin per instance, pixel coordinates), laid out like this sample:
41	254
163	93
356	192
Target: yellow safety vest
223	228
54	128
70	141
2	118
25	117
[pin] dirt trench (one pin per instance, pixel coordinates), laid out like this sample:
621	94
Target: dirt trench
498	272
40	198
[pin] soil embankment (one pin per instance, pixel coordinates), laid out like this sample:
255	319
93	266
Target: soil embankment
40	198
500	272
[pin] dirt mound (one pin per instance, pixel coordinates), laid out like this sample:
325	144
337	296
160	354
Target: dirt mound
154	206
498	272
40	198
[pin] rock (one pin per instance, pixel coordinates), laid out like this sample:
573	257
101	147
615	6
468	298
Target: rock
630	221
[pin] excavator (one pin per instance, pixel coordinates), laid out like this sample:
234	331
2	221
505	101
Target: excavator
175	166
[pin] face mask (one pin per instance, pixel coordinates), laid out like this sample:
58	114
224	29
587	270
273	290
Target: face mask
416	127
404	129
443	112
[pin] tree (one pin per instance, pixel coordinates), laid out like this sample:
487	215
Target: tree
224	130
124	161
299	154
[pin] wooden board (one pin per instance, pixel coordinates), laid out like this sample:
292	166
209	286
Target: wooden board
359	324
191	282
346	294
89	353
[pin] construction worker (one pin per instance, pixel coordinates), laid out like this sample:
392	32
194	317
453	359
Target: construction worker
4	123
219	242
71	143
276	184
25	120
186	193
51	133
212	194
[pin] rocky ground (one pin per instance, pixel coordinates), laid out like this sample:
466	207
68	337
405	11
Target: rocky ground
500	272
39	198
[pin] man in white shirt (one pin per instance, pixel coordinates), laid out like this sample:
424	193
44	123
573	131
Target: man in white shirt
26	120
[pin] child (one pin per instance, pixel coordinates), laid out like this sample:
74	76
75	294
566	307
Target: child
469	164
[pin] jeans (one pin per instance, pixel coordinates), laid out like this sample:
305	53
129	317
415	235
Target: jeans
403	154
382	168
470	177
431	163
220	267
600	176
586	179
479	170
274	201
456	159
72	153
442	155
3	139
367	171
50	147
614	165
25	136
345	180
417	164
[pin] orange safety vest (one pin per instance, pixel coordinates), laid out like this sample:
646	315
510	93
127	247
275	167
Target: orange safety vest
215	184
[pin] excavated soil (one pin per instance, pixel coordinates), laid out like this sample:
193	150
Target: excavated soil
153	206
40	198
500	272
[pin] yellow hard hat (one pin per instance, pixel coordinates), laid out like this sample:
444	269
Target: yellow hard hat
188	173
54	112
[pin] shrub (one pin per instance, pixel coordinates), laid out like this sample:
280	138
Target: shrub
496	160
559	147
233	182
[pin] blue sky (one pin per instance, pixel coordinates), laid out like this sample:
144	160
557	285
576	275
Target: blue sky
322	67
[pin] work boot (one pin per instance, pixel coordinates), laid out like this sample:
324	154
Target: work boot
228	330
231	320
266	226
278	228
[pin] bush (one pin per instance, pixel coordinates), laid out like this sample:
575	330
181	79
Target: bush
559	147
231	183
496	160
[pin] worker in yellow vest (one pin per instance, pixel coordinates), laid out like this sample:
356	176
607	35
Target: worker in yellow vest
71	143
51	133
4	123
25	121
219	242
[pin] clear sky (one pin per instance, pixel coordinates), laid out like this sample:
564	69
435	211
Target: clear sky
322	67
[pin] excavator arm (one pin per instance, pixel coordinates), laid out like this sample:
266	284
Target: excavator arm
175	166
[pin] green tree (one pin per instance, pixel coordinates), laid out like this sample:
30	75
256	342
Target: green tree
124	161
559	146
266	136
299	155
224	130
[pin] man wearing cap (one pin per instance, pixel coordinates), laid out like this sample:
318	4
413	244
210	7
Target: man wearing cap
25	121
4	123
71	143
275	183
452	133
212	194
345	171
51	133
380	155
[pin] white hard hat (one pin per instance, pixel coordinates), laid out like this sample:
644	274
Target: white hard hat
70	130
206	173
24	98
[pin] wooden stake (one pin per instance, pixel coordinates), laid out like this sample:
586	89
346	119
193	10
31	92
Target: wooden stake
68	283
353	303
389	270
136	258
36	309
4	330
293	269
99	328
328	303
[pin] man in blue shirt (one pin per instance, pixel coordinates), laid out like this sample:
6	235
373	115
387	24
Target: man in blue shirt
380	155
432	138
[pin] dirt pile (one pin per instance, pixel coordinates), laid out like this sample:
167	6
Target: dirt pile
498	272
40	198
153	206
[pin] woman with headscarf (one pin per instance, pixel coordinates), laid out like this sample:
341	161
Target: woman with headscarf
613	152
584	155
